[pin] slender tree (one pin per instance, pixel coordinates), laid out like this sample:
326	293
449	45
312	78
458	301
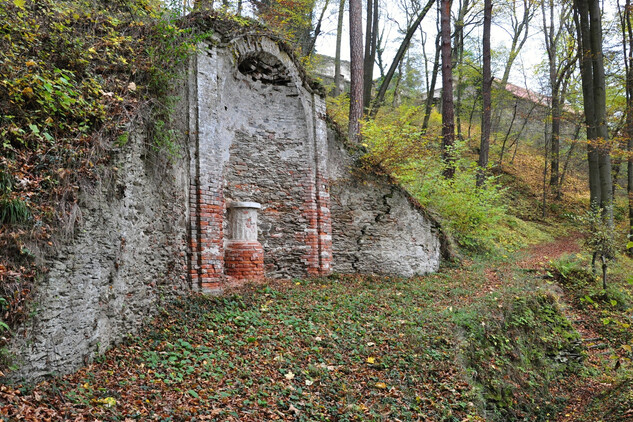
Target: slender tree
486	93
371	38
457	55
356	68
380	96
519	13
561	58
520	18
627	49
448	120
430	94
337	58
311	42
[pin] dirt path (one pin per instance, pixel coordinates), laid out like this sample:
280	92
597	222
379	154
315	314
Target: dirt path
536	260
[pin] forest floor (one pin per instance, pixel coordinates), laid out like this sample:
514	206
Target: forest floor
345	348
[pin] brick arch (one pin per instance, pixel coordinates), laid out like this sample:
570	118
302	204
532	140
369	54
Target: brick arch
257	134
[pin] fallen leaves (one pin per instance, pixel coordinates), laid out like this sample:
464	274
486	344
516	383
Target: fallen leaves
195	361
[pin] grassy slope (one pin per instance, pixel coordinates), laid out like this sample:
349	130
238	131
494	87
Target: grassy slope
480	342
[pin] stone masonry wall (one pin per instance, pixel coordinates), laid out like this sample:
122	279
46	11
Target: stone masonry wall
260	136
131	239
377	228
256	132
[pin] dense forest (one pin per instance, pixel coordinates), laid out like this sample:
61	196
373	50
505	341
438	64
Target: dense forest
510	121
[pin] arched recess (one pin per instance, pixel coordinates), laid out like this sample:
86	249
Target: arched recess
260	136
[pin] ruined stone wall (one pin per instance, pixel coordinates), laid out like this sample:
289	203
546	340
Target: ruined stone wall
260	137
130	240
255	132
377	228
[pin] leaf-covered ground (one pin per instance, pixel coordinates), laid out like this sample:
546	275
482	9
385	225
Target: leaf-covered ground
486	341
348	349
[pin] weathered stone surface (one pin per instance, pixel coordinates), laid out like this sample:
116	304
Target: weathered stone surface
376	227
260	136
103	285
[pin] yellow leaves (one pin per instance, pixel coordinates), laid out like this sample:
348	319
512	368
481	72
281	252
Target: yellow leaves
371	360
107	401
627	348
19	3
381	385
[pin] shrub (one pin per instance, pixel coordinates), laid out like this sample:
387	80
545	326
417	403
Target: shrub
472	215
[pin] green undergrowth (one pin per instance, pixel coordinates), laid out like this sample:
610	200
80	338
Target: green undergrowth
479	219
516	347
610	313
613	405
337	348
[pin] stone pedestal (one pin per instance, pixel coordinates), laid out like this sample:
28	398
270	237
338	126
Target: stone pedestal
244	255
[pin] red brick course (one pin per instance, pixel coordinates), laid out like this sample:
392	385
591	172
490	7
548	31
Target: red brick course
206	238
244	260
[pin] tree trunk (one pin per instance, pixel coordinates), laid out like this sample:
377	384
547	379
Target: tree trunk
380	97
600	98
430	95
569	154
337	58
505	139
560	67
370	51
627	30
555	146
588	19
486	95
448	120
356	65
544	199
581	16
458	57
